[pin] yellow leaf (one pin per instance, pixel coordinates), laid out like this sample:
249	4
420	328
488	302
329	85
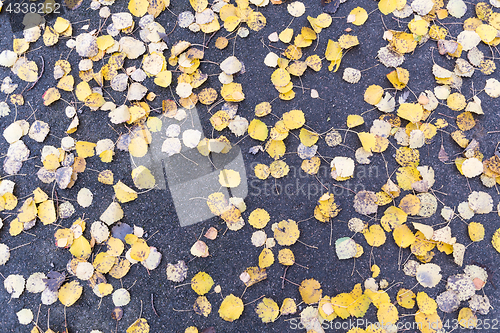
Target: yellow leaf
258	218
124	193
407	157
202	306
263	109
255	275
375	236
256	21
421	246
375	271
105	41
257	130
403	236
426	304
387	6
70	292
286	257
106	177
476	231
94	100
294	119
393	217
293	52
163	79
103	262
456	101
288	307
139	326
138	147
495	240
360	16
50	96
231	308
47	212
139	250
310	291
220	120
28	71
327	205
354	120
201	283
465	121
142	177
348	41
229	178
419	26
20	45
359	307
428	323
231	23
403	42
399	78
373	94
120	269
308	138
486	32
16	227
85	149
28	211
232	92
138	8
410	204
193	329
275	148
411	111
61	25
66	83
387	314
279	169
82	91
467	319
311	166
105	289
80	248
314	62
39	195
333	51
287	232
406	298
267	310
341	303
286	35
368	141
266	258
262	171
280	77
407	176
50	36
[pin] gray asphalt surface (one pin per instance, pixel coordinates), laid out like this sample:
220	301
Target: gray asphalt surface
233	252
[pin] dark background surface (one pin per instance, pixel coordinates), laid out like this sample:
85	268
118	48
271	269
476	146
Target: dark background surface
233	252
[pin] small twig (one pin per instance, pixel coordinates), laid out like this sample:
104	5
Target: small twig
153	306
255	300
41	72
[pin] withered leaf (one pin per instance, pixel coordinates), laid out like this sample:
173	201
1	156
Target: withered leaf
443	155
54	280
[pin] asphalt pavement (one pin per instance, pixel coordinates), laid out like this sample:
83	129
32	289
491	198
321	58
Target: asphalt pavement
232	252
